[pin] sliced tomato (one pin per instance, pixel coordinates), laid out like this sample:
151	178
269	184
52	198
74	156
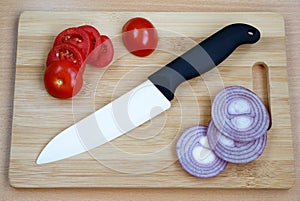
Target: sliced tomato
66	51
93	33
103	54
76	37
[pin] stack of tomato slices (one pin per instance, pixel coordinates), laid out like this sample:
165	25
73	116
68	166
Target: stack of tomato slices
73	48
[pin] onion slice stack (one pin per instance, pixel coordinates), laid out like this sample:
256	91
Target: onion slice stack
237	133
195	154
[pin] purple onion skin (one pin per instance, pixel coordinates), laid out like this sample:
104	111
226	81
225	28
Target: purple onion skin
234	106
234	151
184	148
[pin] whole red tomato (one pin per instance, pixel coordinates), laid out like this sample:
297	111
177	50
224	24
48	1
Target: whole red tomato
139	36
63	79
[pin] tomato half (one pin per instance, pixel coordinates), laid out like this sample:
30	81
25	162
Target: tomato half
63	79
139	36
103	54
65	51
93	33
76	37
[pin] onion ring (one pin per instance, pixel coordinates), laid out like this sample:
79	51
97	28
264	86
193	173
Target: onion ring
195	155
234	151
239	114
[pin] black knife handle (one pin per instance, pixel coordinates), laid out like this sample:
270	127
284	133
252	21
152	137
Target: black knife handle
203	57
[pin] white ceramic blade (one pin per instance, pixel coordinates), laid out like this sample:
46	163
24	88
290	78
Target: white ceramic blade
109	122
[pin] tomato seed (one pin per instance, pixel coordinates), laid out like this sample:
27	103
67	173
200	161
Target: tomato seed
67	38
103	48
78	40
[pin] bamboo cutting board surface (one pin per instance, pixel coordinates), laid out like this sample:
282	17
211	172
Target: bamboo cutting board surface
145	157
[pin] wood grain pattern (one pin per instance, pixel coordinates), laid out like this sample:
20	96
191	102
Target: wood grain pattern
146	156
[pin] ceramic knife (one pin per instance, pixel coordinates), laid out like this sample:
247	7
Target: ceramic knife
150	98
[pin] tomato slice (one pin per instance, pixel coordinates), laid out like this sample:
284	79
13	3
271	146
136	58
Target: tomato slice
103	54
63	79
65	51
93	33
76	37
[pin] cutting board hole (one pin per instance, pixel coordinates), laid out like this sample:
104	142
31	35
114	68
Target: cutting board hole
250	33
260	81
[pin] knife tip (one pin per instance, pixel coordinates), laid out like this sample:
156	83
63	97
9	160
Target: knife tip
42	159
39	161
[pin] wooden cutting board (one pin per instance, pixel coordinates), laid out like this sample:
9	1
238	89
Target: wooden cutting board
145	157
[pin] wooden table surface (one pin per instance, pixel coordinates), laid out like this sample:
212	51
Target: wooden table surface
10	12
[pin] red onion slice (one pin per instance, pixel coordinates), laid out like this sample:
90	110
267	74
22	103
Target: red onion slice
195	155
234	151
240	114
